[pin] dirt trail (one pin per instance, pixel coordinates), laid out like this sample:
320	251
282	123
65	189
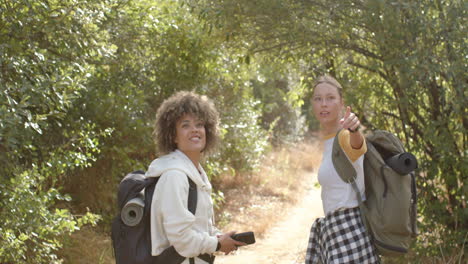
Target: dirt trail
286	242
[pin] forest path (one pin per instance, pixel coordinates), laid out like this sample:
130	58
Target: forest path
286	242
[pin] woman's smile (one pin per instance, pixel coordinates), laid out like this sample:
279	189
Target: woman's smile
190	136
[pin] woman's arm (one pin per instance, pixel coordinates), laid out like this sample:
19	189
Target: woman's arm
356	140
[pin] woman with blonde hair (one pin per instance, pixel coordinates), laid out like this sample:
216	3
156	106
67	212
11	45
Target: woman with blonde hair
340	236
186	129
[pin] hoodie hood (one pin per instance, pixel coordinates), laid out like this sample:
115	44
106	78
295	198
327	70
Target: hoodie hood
177	160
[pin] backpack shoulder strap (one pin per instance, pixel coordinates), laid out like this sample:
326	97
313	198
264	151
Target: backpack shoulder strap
192	196
341	162
192	203
346	171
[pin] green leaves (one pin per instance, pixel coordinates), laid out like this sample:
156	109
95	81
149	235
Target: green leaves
81	81
46	49
402	65
30	227
32	222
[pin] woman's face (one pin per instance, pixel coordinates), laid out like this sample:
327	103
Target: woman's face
327	104
190	135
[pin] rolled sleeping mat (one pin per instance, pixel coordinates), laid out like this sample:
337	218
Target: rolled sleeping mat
133	211
403	163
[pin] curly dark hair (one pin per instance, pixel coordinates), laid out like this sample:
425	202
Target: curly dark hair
173	108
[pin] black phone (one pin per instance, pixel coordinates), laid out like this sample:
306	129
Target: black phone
246	237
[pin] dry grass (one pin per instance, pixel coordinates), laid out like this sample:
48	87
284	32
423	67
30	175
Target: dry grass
88	247
256	201
457	256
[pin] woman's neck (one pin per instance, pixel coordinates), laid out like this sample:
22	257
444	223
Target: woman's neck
328	129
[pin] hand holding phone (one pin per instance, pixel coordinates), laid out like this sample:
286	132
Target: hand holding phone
246	237
226	244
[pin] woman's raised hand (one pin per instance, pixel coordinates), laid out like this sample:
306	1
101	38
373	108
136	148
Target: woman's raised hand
350	121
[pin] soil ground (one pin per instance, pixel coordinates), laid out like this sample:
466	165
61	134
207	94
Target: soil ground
286	241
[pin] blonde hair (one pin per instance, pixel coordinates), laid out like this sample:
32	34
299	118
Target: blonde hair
173	108
330	80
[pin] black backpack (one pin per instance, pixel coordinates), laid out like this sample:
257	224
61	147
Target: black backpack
132	243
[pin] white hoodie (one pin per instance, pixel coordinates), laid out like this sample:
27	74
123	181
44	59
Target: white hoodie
171	221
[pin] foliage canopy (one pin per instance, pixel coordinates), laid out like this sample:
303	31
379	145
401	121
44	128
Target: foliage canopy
81	81
403	65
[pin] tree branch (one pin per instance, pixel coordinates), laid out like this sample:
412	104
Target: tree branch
381	74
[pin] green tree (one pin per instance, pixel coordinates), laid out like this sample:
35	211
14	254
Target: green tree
159	49
81	82
403	65
47	52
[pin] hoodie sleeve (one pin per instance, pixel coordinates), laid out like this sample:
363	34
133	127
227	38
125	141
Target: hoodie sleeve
177	220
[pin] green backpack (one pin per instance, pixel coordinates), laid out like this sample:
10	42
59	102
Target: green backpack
389	211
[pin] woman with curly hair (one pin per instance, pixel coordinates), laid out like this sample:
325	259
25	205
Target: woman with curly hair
186	129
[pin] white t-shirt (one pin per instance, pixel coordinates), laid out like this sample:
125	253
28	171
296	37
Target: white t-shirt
337	194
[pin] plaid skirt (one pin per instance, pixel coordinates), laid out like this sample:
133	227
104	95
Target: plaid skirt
340	237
